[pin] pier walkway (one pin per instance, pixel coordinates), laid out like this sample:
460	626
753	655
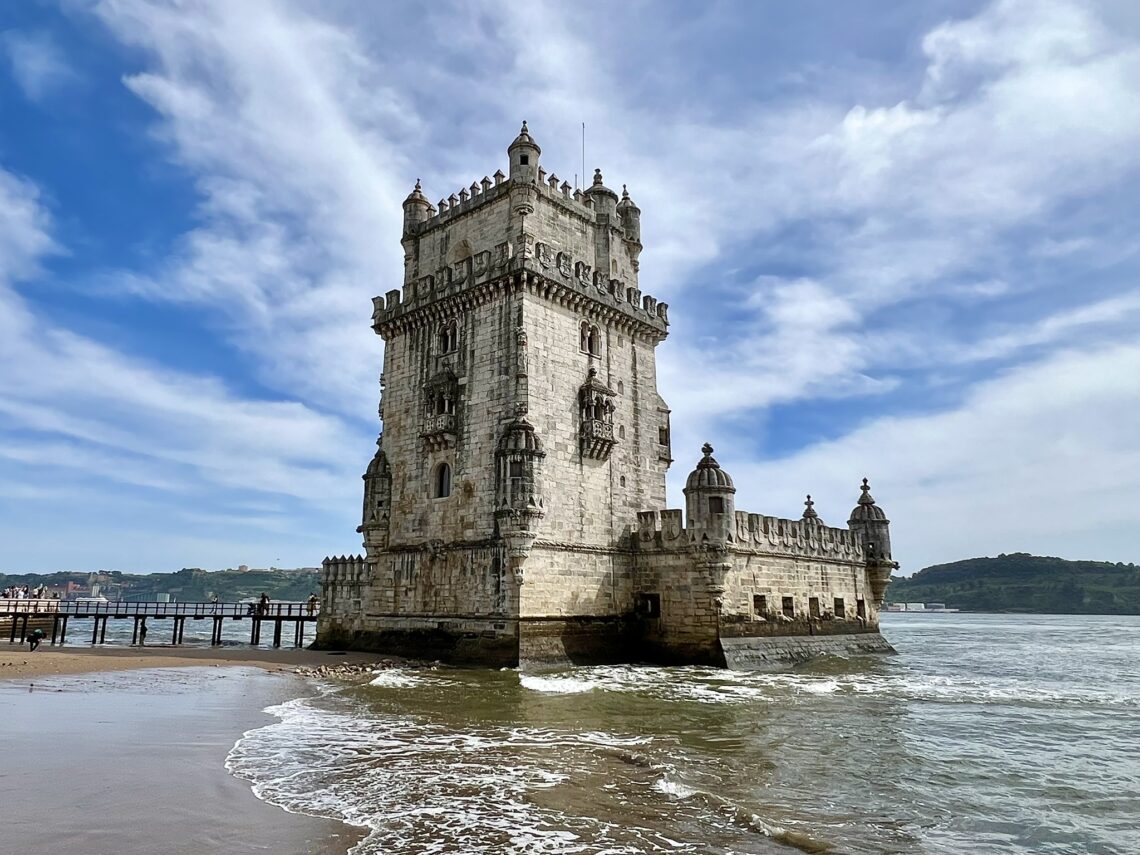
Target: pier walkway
18	616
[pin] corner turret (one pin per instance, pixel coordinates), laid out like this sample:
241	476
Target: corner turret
871	522
710	506
872	527
603	198
630	216
524	153
417	209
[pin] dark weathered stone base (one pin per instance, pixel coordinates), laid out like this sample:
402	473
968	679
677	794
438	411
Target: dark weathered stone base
464	642
777	653
560	642
540	643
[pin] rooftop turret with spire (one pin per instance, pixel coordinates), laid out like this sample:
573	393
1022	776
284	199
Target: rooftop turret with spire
524	153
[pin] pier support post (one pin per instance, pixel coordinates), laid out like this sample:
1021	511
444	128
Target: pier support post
103	632
277	632
54	628
63	631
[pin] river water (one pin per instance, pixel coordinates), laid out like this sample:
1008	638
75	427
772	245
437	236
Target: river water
987	733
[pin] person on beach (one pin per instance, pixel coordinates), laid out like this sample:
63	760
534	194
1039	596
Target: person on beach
142	633
311	603
35	637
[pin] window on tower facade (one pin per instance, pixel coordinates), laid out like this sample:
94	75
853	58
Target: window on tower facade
449	337
590	339
441	488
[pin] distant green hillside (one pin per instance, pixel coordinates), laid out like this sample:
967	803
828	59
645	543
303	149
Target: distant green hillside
1024	583
187	585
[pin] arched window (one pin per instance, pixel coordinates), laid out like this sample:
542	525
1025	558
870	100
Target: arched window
449	337
584	337
442	485
594	342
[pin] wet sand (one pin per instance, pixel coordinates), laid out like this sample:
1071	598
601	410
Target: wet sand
17	662
123	751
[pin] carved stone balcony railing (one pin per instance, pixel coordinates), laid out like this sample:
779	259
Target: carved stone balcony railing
439	431
597	439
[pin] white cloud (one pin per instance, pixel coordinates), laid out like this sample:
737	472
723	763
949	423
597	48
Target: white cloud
37	63
1043	459
304	125
80	414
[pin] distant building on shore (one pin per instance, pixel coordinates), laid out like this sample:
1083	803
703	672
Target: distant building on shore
514	510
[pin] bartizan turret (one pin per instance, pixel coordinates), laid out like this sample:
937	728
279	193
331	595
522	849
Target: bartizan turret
710	508
871	526
524	153
630	216
519	506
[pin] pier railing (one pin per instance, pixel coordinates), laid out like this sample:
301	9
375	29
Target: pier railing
123	608
18	614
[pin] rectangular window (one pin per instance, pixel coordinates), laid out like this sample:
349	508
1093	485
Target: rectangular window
813	607
861	609
840	608
648	605
789	607
759	604
716	505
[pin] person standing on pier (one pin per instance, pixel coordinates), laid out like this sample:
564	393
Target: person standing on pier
311	603
263	604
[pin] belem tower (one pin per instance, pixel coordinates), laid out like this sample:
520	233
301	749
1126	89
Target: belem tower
514	511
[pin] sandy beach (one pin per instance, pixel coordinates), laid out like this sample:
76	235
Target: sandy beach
17	662
122	750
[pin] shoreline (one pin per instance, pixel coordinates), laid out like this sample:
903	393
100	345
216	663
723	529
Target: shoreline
170	716
17	663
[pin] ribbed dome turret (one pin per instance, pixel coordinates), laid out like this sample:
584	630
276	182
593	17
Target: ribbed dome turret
521	437
867	511
416	208
810	514
708	475
417	196
524	139
605	200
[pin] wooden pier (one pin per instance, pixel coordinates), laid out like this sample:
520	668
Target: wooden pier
24	615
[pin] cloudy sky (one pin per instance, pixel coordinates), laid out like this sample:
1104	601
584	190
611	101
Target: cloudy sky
898	240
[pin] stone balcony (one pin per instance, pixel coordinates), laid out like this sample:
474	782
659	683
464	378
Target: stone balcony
597	438
439	431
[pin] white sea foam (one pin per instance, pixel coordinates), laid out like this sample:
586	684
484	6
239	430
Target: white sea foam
674	789
396	678
557	685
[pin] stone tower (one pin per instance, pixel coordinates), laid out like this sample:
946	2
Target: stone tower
514	512
522	428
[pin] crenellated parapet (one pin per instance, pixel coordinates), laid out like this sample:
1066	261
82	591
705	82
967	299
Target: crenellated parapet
664	531
496	234
543	269
344	569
